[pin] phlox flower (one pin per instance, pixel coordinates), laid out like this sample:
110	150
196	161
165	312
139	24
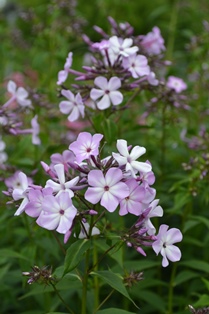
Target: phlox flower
19	94
153	42
164	244
155	211
108	91
151	79
85	146
133	203
108	189
35	131
64	158
74	105
61	185
137	65
21	192
129	159
58	213
63	74
36	197
122	47
176	83
14	181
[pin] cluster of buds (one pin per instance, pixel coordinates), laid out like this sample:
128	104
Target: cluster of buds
80	180
40	275
204	310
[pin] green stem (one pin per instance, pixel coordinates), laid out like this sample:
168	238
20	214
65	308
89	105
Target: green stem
60	297
170	290
109	295
85	284
96	279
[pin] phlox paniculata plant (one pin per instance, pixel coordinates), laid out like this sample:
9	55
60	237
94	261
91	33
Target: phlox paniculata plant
115	183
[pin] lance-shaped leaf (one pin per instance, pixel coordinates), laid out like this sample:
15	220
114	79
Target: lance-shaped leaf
75	254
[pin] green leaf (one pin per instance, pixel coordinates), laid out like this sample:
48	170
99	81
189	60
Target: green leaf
201	219
140	265
75	254
114	311
198	265
154	299
203	301
115	281
206	282
10	254
184	276
115	253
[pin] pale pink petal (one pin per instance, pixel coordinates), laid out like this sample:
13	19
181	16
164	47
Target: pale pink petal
101	82
173	253
116	98
48	221
68	94
141	166
65	106
137	151
96	93
74	114
64	224
113	176
114	83
109	201
11	87
60	171
93	195
96	178
174	235
122	147
104	103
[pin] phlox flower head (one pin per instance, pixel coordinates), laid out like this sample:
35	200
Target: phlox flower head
61	184
153	42
137	65
15	182
58	213
74	105
19	94
63	74
85	146
108	92
108	189
122	47
176	84
133	203
129	159
164	244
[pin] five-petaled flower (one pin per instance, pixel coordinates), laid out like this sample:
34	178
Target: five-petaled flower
109	188
164	244
108	91
86	146
74	105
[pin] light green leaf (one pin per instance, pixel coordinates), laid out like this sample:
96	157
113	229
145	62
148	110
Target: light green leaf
115	281
114	311
206	282
203	301
75	254
201	219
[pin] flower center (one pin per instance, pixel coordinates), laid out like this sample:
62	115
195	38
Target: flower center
61	211
106	188
107	91
164	245
88	150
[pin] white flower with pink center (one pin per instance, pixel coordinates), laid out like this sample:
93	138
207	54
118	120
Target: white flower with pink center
153	42
122	47
137	65
176	83
108	92
74	105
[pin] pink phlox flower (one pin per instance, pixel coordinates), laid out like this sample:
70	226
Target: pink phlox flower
61	185
153	42
164	244
74	105
176	83
21	192
102	45
148	178
129	159
58	213
64	158
63	74
15	182
150	193
108	189
151	79
108	92
133	203
155	211
19	94
85	146
34	206
35	131
122	47
137	65
84	233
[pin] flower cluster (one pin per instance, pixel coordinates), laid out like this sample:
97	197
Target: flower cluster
118	63
80	180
